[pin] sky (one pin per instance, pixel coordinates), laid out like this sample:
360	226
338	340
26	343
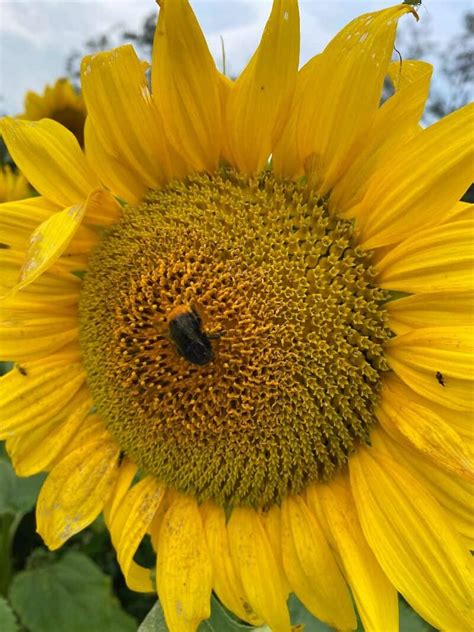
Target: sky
36	36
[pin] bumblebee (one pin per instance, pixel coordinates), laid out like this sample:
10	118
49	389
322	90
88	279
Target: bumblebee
191	342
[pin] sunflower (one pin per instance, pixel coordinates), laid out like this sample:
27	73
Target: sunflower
60	102
13	185
240	324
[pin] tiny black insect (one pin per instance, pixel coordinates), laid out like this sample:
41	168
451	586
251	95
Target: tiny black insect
121	457
440	378
185	329
21	369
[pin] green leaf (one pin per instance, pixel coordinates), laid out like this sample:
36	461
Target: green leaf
5	367
299	615
393	295
410	621
221	620
7	618
69	595
17	495
154	620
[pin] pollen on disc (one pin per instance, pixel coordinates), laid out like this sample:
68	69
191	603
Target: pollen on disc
292	385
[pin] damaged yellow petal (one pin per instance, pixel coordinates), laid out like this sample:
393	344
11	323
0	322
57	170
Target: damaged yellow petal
184	570
342	95
75	491
49	241
128	526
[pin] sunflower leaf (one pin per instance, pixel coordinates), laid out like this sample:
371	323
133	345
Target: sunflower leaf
7	618
154	620
219	621
69	594
410	621
17	495
301	617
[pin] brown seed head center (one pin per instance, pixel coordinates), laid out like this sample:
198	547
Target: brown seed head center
290	389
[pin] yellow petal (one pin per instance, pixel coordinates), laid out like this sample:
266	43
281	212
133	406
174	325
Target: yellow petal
18	220
123	114
422	429
374	594
261	97
226	86
459	420
126	474
313	500
445	309
311	568
271	521
418	549
49	241
50	157
421	183
394	124
114	173
128	526
460	211
226	582
92	429
35	450
75	491
52	238
155	526
23	338
54	290
454	494
335	114
184	571
33	393
185	85
286	160
11	262
255	562
434	259
102	209
436	362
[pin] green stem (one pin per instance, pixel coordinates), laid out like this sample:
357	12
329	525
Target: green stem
8	524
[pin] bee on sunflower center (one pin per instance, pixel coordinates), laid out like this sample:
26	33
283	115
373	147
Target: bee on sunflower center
191	342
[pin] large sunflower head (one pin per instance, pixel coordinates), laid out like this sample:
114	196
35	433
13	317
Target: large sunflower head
241	326
60	102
